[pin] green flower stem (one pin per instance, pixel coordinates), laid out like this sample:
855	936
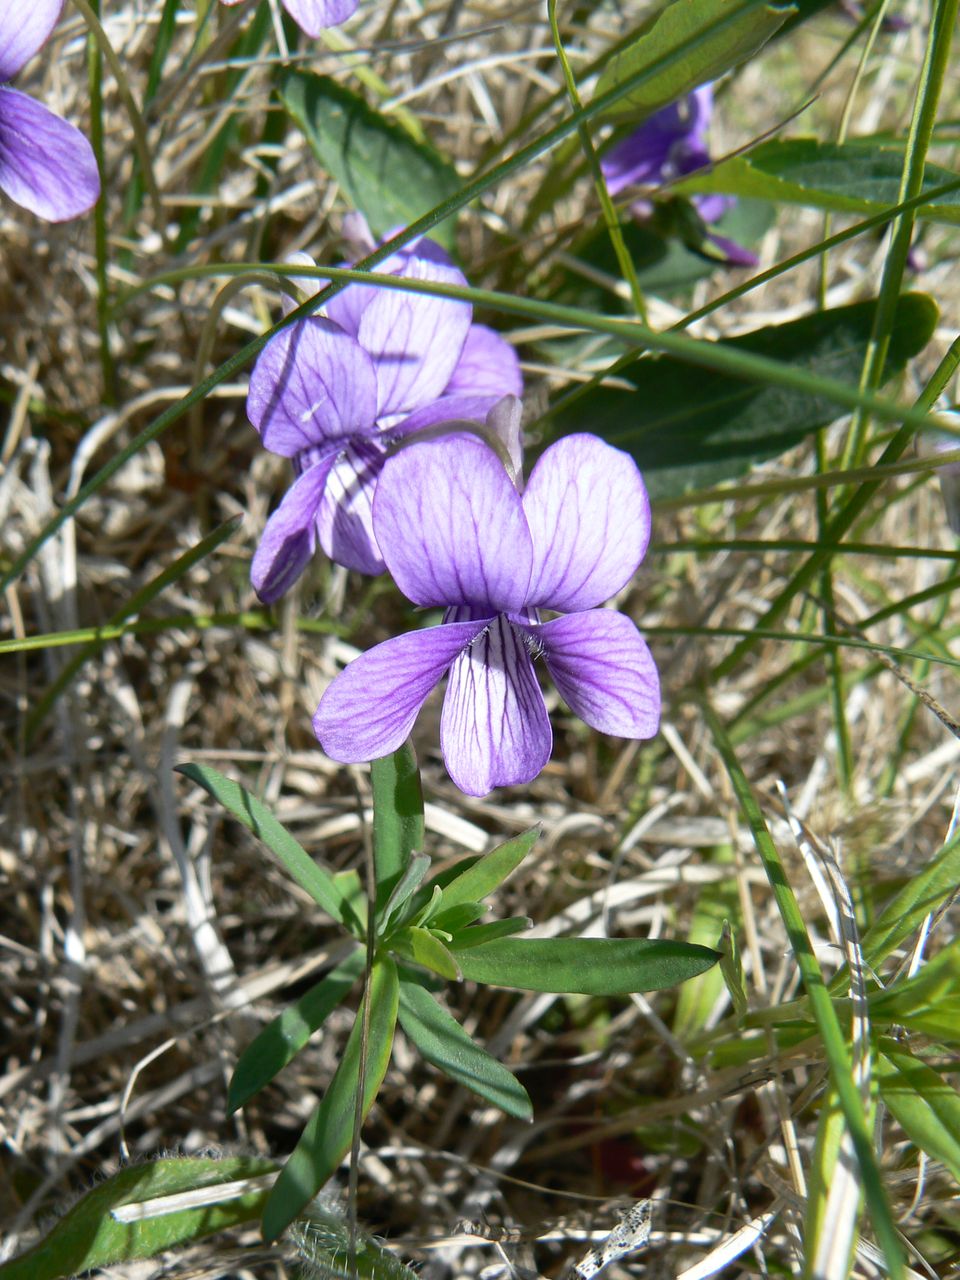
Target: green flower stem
95	80
834	1044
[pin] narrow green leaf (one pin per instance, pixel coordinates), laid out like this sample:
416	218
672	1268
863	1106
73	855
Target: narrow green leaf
397	817
423	948
589	966
458	918
88	1236
280	1041
410	881
732	970
850	177
490	871
391	178
923	894
479	934
254	815
322	1238
329	1131
924	1104
445	1044
688	433
736	31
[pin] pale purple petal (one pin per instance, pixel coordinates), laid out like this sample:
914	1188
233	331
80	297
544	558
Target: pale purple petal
312	16
494	730
452	409
290	535
348	306
451	527
370	708
415	340
25	26
603	669
711	208
312	384
345	519
589	518
735	254
46	164
488	364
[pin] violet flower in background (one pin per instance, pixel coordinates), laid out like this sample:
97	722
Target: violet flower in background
46	164
333	392
669	145
312	16
928	446
455	533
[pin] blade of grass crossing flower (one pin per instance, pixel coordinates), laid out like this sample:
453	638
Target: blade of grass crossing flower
256	817
329	1131
445	1044
834	1047
397	817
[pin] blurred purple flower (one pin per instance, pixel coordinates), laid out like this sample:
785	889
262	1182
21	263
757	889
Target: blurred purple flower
333	392
312	16
46	164
669	145
455	533
931	444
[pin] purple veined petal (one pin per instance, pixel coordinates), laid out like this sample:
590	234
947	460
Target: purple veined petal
24	30
494	730
312	384
487	365
453	409
46	164
312	16
370	708
451	527
604	671
345	518
415	340
290	535
348	306
589	518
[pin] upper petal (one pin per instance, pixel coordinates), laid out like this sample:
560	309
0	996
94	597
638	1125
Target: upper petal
452	409
451	527
24	29
589	518
369	709
312	384
494	730
487	365
312	16
46	164
603	669
345	519
415	339
290	535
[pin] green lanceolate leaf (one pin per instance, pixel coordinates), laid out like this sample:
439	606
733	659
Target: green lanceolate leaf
280	1041
425	949
254	815
329	1131
410	881
715	34
689	433
89	1236
479	934
925	1105
397	817
490	871
851	177
385	173
588	966
917	899
445	1044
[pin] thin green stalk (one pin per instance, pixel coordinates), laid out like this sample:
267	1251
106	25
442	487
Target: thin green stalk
834	658
95	80
610	219
935	61
821	1005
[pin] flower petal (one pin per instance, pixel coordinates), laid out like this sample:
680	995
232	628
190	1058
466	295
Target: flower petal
369	709
589	518
312	16
24	29
494	730
46	164
452	409
603	669
290	535
348	306
312	384
451	527
345	519
415	340
488	364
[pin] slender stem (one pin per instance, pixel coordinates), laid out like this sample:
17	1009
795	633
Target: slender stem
95	78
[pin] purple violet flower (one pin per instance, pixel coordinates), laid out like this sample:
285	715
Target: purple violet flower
46	164
456	534
333	392
669	145
312	16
